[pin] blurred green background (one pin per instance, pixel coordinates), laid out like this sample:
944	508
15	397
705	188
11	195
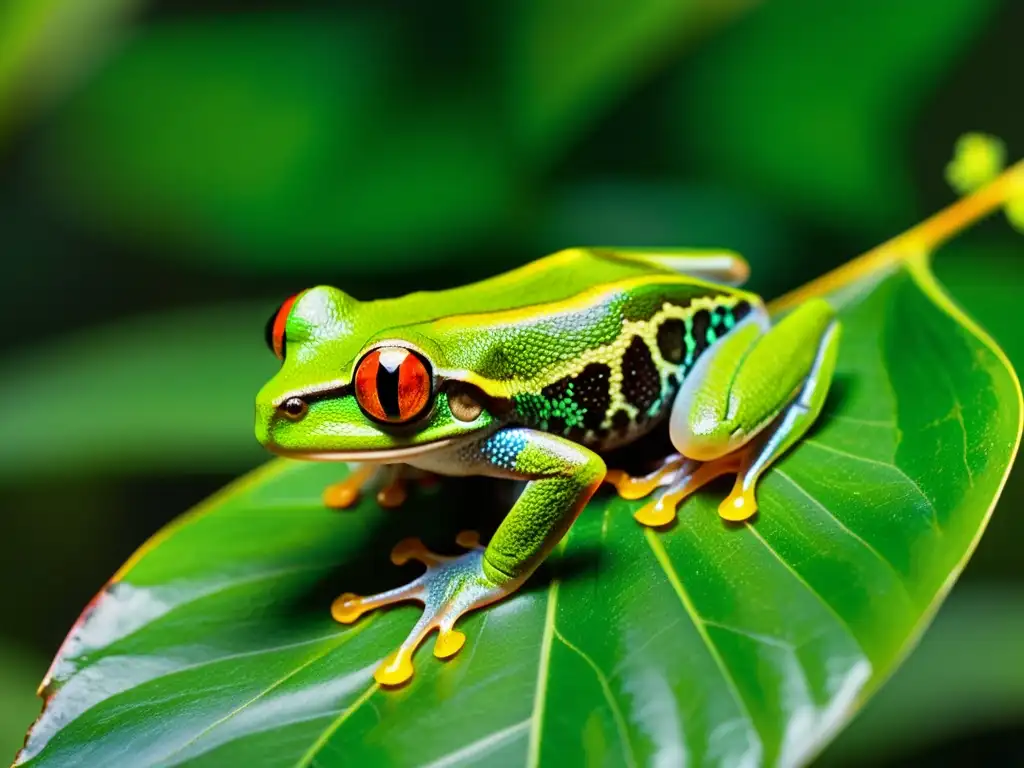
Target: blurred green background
169	170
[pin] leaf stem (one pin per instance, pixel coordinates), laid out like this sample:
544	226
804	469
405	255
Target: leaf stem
918	242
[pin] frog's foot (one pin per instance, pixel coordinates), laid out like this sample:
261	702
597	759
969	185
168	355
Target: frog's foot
451	587
682	477
689	477
346	493
639	486
741	504
392	493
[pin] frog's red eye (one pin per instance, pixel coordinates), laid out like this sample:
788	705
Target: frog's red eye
276	325
393	384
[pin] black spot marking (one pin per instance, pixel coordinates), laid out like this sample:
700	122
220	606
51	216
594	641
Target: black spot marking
590	391
741	310
701	323
670	340
641	384
576	434
557	389
621	422
556	425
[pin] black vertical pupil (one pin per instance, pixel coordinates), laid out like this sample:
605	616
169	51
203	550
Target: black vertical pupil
268	332
387	391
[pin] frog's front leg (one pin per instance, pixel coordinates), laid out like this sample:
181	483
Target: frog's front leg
562	477
743	405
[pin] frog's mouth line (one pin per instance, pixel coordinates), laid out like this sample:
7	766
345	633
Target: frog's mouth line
381	455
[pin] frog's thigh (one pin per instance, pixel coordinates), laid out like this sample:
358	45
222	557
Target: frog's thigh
746	381
562	477
715	265
794	422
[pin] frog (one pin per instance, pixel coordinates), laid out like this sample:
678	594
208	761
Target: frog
535	376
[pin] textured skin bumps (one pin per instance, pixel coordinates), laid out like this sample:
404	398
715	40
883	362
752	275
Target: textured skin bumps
562	475
631	383
544	345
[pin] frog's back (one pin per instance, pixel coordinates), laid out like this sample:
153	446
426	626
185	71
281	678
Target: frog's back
557	277
587	344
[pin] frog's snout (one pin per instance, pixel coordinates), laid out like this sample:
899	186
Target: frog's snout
293	409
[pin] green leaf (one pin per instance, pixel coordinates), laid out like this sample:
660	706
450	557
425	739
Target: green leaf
569	58
45	45
165	392
705	643
274	140
811	106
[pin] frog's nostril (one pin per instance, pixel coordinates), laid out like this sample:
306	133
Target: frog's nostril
294	408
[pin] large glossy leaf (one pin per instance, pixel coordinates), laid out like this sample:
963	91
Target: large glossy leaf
706	643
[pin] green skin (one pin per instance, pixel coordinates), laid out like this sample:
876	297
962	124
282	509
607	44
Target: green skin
564	359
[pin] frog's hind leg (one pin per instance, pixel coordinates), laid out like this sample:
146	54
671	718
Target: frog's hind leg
743	405
682	476
749	400
794	422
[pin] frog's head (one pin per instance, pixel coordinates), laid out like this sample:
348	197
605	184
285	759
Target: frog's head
358	382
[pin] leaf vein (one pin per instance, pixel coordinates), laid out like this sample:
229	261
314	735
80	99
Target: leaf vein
832	515
698	622
891	467
793	572
540	694
775	642
309	757
602	679
471	750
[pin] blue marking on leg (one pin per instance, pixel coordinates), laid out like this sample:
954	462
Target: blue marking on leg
503	448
